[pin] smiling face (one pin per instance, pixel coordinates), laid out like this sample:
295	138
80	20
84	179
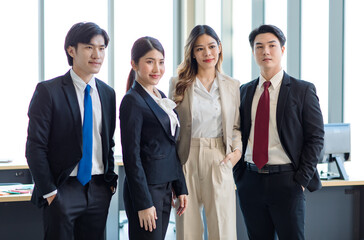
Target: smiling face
88	58
150	69
206	51
268	52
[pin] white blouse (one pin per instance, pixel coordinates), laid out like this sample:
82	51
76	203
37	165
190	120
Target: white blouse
167	105
206	111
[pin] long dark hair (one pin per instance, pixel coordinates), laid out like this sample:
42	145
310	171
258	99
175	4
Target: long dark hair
141	47
187	70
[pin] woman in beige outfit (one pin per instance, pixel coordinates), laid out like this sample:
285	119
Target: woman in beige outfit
209	144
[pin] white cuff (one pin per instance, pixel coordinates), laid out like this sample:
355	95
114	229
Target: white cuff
50	194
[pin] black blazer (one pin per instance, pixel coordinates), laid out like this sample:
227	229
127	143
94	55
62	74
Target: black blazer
149	149
299	125
54	143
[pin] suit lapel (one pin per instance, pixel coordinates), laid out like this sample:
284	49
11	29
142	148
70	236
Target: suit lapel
189	93
248	105
176	134
184	109
103	101
282	100
189	108
70	92
160	114
224	97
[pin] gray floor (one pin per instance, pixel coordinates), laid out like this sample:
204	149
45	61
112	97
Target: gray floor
170	235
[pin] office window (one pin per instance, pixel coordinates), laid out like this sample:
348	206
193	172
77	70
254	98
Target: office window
154	19
213	15
19	69
315	48
242	52
276	14
353	90
59	16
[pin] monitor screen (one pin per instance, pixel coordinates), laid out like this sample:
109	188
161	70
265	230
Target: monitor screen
337	141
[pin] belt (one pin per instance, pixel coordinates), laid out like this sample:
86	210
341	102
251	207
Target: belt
269	169
99	178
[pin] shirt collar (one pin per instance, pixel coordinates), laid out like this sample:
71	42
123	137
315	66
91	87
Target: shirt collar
79	83
200	86
155	91
275	80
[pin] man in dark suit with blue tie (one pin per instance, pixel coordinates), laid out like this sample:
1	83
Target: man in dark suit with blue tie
282	134
70	141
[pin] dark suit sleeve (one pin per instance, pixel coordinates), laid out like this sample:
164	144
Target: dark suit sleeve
179	185
313	133
40	120
111	164
131	122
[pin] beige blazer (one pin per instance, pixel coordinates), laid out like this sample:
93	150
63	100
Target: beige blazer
230	102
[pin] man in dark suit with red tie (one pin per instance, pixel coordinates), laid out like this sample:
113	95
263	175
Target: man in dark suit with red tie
282	134
70	140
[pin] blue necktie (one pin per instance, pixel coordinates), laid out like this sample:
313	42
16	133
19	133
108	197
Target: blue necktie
85	165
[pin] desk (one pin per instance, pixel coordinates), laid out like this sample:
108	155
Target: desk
15	173
15	198
20	219
336	211
116	204
13	166
341	183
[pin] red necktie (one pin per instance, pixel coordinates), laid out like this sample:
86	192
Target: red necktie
261	129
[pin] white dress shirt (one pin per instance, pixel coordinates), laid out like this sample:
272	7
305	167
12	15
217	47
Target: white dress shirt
80	85
167	105
276	154
206	111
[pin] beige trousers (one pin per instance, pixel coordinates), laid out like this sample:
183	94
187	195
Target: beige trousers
210	186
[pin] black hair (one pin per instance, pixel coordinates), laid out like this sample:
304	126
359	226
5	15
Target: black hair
83	32
267	29
141	47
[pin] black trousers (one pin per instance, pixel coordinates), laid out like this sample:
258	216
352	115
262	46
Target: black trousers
272	204
162	196
78	212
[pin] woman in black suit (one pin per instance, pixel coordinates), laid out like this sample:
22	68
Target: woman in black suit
149	128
